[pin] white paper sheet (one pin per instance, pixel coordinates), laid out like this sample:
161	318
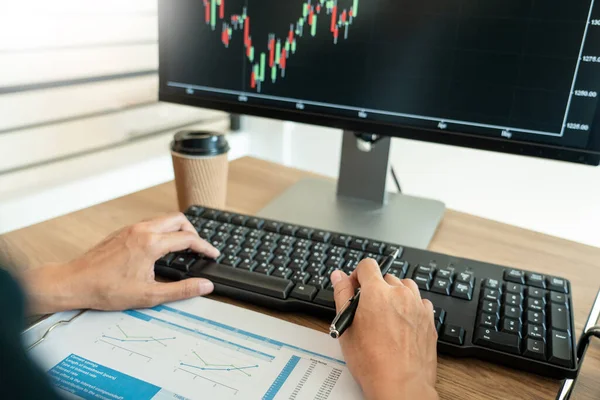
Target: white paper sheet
194	349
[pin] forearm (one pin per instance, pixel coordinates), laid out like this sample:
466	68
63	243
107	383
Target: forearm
52	288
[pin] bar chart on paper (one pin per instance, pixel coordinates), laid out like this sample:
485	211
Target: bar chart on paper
174	352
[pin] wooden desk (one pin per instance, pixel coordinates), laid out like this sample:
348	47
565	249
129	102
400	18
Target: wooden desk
253	183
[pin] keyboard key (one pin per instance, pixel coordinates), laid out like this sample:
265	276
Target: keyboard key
512	299
211	214
315	268
536	293
535	304
303	244
247	264
254	234
264	269
439	314
441	286
465	277
282	272
183	263
341	240
239	220
255	223
336	251
321	236
320	248
334	261
241	231
354	254
358	244
401	266
267	246
206	234
236	240
535	349
244	280
194	211
263	256
297	264
422	281
271	237
225	217
320	282
537	280
514	288
280	261
512	312
492	284
514	275
300	254
453	334
536	332
300	277
560	348
438	327
304	292
491	295
489	307
166	260
317	257
251	242
247	252
425	270
391	248
304	233
510	325
325	298
462	291
231	261
559	317
289	240
489	321
225	228
283	250
272	226
375	247
536	317
445	273
558	298
288	229
557	284
502	341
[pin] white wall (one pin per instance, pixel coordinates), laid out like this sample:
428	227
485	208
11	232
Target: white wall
551	197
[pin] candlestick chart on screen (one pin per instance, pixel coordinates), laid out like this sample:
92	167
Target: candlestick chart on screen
270	61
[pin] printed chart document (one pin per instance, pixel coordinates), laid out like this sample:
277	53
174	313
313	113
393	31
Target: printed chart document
194	349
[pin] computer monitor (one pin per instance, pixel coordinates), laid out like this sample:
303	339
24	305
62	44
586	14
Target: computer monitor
512	76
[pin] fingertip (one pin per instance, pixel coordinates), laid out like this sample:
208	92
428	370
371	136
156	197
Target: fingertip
205	287
337	276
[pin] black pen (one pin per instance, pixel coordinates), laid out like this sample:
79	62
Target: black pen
344	318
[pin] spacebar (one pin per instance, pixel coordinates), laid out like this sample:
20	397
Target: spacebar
241	279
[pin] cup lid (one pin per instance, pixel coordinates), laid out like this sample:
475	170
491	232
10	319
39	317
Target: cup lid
199	143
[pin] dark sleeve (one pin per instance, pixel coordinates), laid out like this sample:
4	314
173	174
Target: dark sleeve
19	377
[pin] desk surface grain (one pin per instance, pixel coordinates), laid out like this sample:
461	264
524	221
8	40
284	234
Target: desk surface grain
253	183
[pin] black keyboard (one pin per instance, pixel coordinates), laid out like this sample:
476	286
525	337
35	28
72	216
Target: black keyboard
504	315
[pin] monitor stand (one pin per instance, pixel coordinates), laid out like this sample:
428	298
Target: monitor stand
359	204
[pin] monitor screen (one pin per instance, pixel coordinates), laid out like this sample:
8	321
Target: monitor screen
519	76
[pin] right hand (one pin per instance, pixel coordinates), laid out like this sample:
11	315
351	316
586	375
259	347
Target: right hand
390	348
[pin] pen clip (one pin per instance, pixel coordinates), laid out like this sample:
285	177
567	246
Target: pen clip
332	327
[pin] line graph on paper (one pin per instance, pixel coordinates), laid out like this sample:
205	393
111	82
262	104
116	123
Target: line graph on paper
222	369
272	62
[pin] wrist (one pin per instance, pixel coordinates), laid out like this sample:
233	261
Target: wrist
54	288
416	387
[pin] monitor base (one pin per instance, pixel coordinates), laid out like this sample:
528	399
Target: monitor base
404	220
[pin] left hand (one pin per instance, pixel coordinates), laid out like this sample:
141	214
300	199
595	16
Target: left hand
118	273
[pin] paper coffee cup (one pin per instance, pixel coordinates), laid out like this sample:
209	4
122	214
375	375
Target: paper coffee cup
200	164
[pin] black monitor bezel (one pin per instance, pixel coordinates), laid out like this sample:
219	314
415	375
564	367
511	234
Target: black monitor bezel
447	137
